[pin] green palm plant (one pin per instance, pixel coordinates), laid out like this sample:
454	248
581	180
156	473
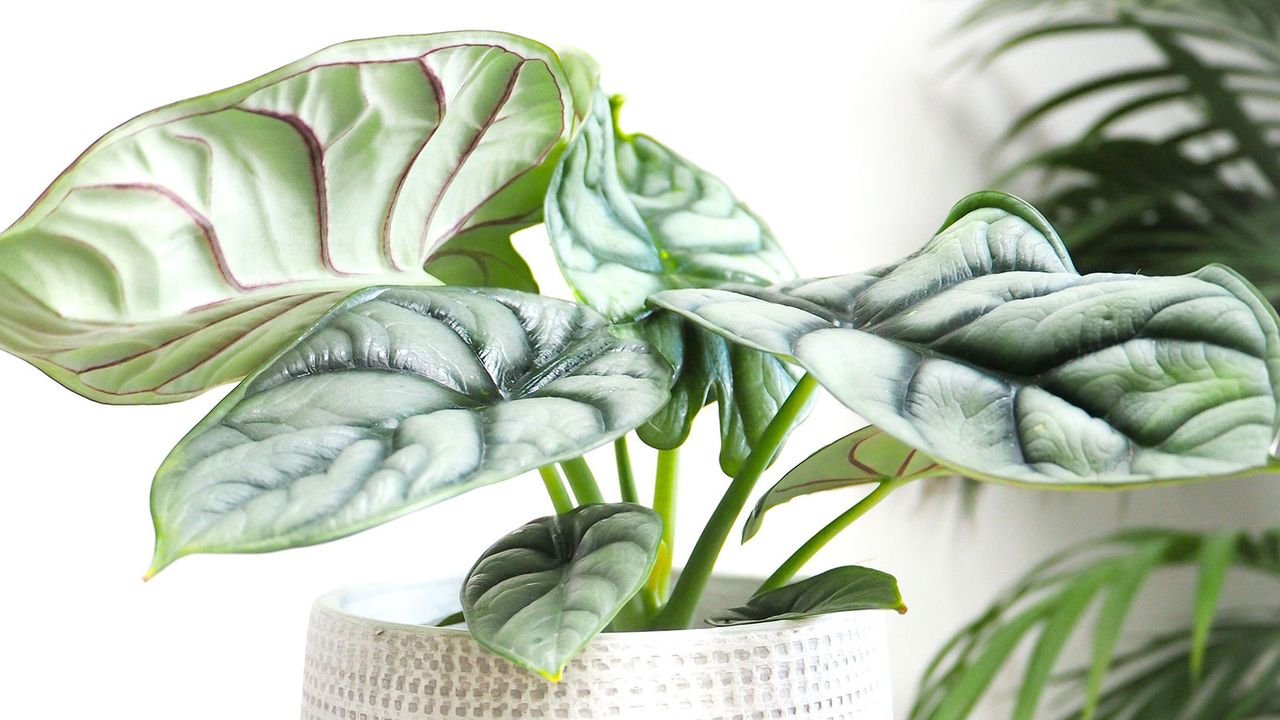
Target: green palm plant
1135	196
1208	664
1128	197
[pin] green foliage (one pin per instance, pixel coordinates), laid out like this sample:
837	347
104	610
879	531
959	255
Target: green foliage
542	592
397	399
1240	681
837	590
187	246
864	456
988	352
748	387
1051	602
628	217
1169	201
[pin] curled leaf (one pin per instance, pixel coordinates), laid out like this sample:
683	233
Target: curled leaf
628	217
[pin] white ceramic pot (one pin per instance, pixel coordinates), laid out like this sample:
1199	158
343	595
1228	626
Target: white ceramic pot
370	658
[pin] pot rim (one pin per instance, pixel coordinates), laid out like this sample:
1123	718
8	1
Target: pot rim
333	602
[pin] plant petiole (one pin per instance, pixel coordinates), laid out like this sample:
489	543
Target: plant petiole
582	481
560	499
626	477
793	564
679	611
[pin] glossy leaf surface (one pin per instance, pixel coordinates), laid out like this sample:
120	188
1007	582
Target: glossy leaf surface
838	590
987	351
397	399
187	246
542	592
864	456
628	217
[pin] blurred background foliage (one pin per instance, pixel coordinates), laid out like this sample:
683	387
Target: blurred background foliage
1128	194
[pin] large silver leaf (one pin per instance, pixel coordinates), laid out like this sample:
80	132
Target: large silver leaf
988	352
397	399
188	245
627	217
541	593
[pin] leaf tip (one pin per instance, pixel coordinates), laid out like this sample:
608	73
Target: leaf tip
902	608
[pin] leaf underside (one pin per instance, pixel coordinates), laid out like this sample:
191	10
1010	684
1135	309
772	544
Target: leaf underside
864	456
988	352
542	592
190	244
397	399
837	590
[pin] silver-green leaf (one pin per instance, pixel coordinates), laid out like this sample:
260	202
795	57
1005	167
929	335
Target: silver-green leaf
397	399
188	245
988	352
837	590
864	456
542	592
627	217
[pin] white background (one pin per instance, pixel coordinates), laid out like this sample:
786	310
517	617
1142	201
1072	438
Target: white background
841	127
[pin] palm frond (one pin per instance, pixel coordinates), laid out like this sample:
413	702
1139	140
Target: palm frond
1049	605
1127	198
1240	678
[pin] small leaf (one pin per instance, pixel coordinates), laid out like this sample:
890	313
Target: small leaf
863	456
838	590
187	246
988	352
540	594
627	217
397	399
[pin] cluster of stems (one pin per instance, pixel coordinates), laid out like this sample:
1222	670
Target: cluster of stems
659	606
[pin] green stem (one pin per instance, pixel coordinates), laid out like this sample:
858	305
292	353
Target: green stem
555	488
793	564
626	478
582	481
664	503
680	609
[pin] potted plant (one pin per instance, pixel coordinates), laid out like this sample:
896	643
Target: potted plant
336	233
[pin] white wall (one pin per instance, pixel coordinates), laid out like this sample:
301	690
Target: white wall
838	126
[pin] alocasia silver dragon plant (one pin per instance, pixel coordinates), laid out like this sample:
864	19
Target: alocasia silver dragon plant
336	236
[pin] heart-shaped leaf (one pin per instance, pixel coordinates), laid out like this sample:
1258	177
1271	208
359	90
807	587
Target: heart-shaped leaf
838	590
748	387
542	592
397	399
988	352
865	456
187	246
627	217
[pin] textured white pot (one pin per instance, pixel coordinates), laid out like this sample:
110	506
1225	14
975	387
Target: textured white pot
369	658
